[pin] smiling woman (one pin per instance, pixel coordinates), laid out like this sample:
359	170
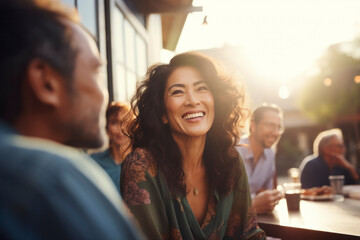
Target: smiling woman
189	104
185	180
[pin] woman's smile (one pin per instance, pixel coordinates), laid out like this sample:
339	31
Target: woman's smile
189	103
194	116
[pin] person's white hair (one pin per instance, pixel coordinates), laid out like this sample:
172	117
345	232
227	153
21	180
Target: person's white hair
323	139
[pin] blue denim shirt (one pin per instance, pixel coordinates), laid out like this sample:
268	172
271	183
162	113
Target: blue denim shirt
50	191
106	161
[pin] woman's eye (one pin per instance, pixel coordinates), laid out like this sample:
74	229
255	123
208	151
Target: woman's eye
175	92
203	88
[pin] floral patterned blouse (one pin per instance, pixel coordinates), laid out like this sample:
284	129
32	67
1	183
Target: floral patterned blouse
162	216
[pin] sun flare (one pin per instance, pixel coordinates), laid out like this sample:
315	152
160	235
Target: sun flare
279	38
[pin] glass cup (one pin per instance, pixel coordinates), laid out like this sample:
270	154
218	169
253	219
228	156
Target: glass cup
337	183
292	195
294	174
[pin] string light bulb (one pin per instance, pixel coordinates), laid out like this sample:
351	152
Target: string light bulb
205	23
357	79
284	92
327	82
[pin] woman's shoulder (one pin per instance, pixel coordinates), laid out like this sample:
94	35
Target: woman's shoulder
140	160
137	169
240	182
141	155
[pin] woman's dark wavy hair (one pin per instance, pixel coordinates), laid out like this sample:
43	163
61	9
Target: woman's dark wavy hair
147	130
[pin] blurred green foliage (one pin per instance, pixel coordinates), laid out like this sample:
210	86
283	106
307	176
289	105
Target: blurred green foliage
340	98
289	155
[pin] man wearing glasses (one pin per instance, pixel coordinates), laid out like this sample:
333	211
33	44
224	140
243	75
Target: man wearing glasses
266	128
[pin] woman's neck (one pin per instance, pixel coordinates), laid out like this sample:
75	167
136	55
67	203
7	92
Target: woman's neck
118	153
192	150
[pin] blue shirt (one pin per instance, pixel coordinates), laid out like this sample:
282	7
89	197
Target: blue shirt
262	174
106	161
50	191
316	172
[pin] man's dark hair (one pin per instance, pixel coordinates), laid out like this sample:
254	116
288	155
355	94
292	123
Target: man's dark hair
32	29
259	112
116	107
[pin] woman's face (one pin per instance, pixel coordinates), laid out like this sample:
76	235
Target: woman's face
189	103
116	124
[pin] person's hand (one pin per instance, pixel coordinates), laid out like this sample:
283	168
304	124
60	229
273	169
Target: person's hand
266	201
339	160
260	190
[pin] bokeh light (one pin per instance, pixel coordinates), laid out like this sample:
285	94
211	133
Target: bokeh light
327	82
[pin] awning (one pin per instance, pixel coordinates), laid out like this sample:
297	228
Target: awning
162	6
173	17
172	25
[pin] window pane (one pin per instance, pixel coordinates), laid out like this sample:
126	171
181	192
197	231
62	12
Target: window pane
69	2
131	84
130	45
118	37
141	56
119	83
87	11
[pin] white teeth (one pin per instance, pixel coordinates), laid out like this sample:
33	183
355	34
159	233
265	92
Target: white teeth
194	115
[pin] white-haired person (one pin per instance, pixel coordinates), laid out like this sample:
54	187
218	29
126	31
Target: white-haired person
328	159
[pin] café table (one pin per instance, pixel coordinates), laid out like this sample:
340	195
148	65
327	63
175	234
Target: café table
337	219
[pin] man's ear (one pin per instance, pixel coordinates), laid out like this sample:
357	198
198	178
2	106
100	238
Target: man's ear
165	119
252	126
45	83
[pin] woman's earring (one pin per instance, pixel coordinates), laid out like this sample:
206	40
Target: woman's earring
164	119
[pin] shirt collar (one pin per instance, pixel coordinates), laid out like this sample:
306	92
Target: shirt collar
249	153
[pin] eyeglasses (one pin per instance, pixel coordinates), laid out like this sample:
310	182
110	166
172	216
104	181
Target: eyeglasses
273	127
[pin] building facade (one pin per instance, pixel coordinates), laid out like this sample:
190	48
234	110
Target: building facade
130	35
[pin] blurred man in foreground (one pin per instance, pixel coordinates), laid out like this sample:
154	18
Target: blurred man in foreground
328	159
50	97
266	128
